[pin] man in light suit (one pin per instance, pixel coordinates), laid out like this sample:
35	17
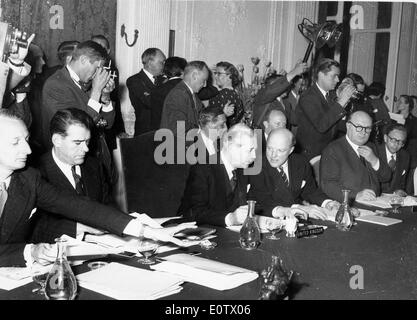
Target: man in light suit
22	190
141	86
182	105
320	110
391	152
70	168
350	163
286	180
215	193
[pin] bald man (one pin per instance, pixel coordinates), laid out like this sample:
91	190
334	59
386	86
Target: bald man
351	163
286	181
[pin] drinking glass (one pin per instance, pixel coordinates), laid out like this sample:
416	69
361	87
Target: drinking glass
39	277
147	248
274	227
396	202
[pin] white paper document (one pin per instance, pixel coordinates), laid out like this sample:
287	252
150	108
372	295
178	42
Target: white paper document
123	282
12	278
77	248
397	117
208	273
383	221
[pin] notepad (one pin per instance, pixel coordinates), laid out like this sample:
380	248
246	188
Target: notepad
205	272
383	221
124	282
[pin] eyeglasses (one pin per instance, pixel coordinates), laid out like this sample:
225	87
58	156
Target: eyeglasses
360	128
399	142
216	73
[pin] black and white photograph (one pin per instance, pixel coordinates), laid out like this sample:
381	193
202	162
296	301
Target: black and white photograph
208	154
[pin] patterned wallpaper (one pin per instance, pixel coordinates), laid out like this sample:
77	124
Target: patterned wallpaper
81	19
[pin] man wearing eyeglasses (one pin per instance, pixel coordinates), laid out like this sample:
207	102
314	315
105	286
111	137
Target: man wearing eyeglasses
398	159
351	163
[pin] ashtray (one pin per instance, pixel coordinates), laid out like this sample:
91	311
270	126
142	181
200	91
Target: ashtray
97	265
208	245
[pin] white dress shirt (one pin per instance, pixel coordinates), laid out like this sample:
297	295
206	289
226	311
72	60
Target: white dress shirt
150	75
211	149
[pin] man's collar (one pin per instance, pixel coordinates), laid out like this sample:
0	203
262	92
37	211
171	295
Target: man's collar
227	165
149	75
65	167
188	86
208	143
73	74
353	145
323	92
389	154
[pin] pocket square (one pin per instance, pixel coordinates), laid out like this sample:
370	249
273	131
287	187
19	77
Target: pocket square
303	184
403	173
248	188
32	213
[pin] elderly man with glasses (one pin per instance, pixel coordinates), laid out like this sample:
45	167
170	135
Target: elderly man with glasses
392	153
351	163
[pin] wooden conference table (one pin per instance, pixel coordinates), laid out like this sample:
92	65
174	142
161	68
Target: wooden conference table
322	265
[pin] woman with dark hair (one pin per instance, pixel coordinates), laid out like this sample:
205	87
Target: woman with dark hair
405	106
227	79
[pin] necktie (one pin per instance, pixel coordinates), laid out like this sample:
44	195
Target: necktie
3	197
363	160
79	187
284	176
392	163
233	181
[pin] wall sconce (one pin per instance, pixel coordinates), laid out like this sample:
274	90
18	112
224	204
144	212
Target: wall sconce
124	35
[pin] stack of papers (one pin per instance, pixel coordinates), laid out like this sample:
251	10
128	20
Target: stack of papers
383	221
208	273
12	278
123	282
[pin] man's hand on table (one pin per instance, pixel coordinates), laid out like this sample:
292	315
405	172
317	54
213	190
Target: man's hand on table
167	234
366	195
44	253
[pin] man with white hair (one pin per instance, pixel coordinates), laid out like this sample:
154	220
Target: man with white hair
215	191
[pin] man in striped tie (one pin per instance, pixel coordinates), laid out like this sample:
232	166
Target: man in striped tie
69	168
286	182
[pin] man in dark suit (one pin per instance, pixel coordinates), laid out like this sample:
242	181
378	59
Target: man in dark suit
350	163
391	152
22	190
215	193
319	109
69	87
286	180
174	70
182	105
271	91
292	101
71	170
141	85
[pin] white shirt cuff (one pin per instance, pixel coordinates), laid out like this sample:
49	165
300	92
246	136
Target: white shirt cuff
229	220
134	228
23	71
95	105
20	97
27	255
107	107
376	166
325	203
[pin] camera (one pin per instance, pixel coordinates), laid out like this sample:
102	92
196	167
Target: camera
11	39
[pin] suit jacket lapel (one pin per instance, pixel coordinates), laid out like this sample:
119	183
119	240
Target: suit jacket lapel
276	185
56	175
146	81
15	206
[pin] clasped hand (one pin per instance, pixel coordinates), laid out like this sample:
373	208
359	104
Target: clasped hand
368	154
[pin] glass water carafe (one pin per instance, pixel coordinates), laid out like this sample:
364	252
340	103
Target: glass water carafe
61	283
250	234
344	216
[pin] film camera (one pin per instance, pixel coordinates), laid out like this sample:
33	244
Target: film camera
10	40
